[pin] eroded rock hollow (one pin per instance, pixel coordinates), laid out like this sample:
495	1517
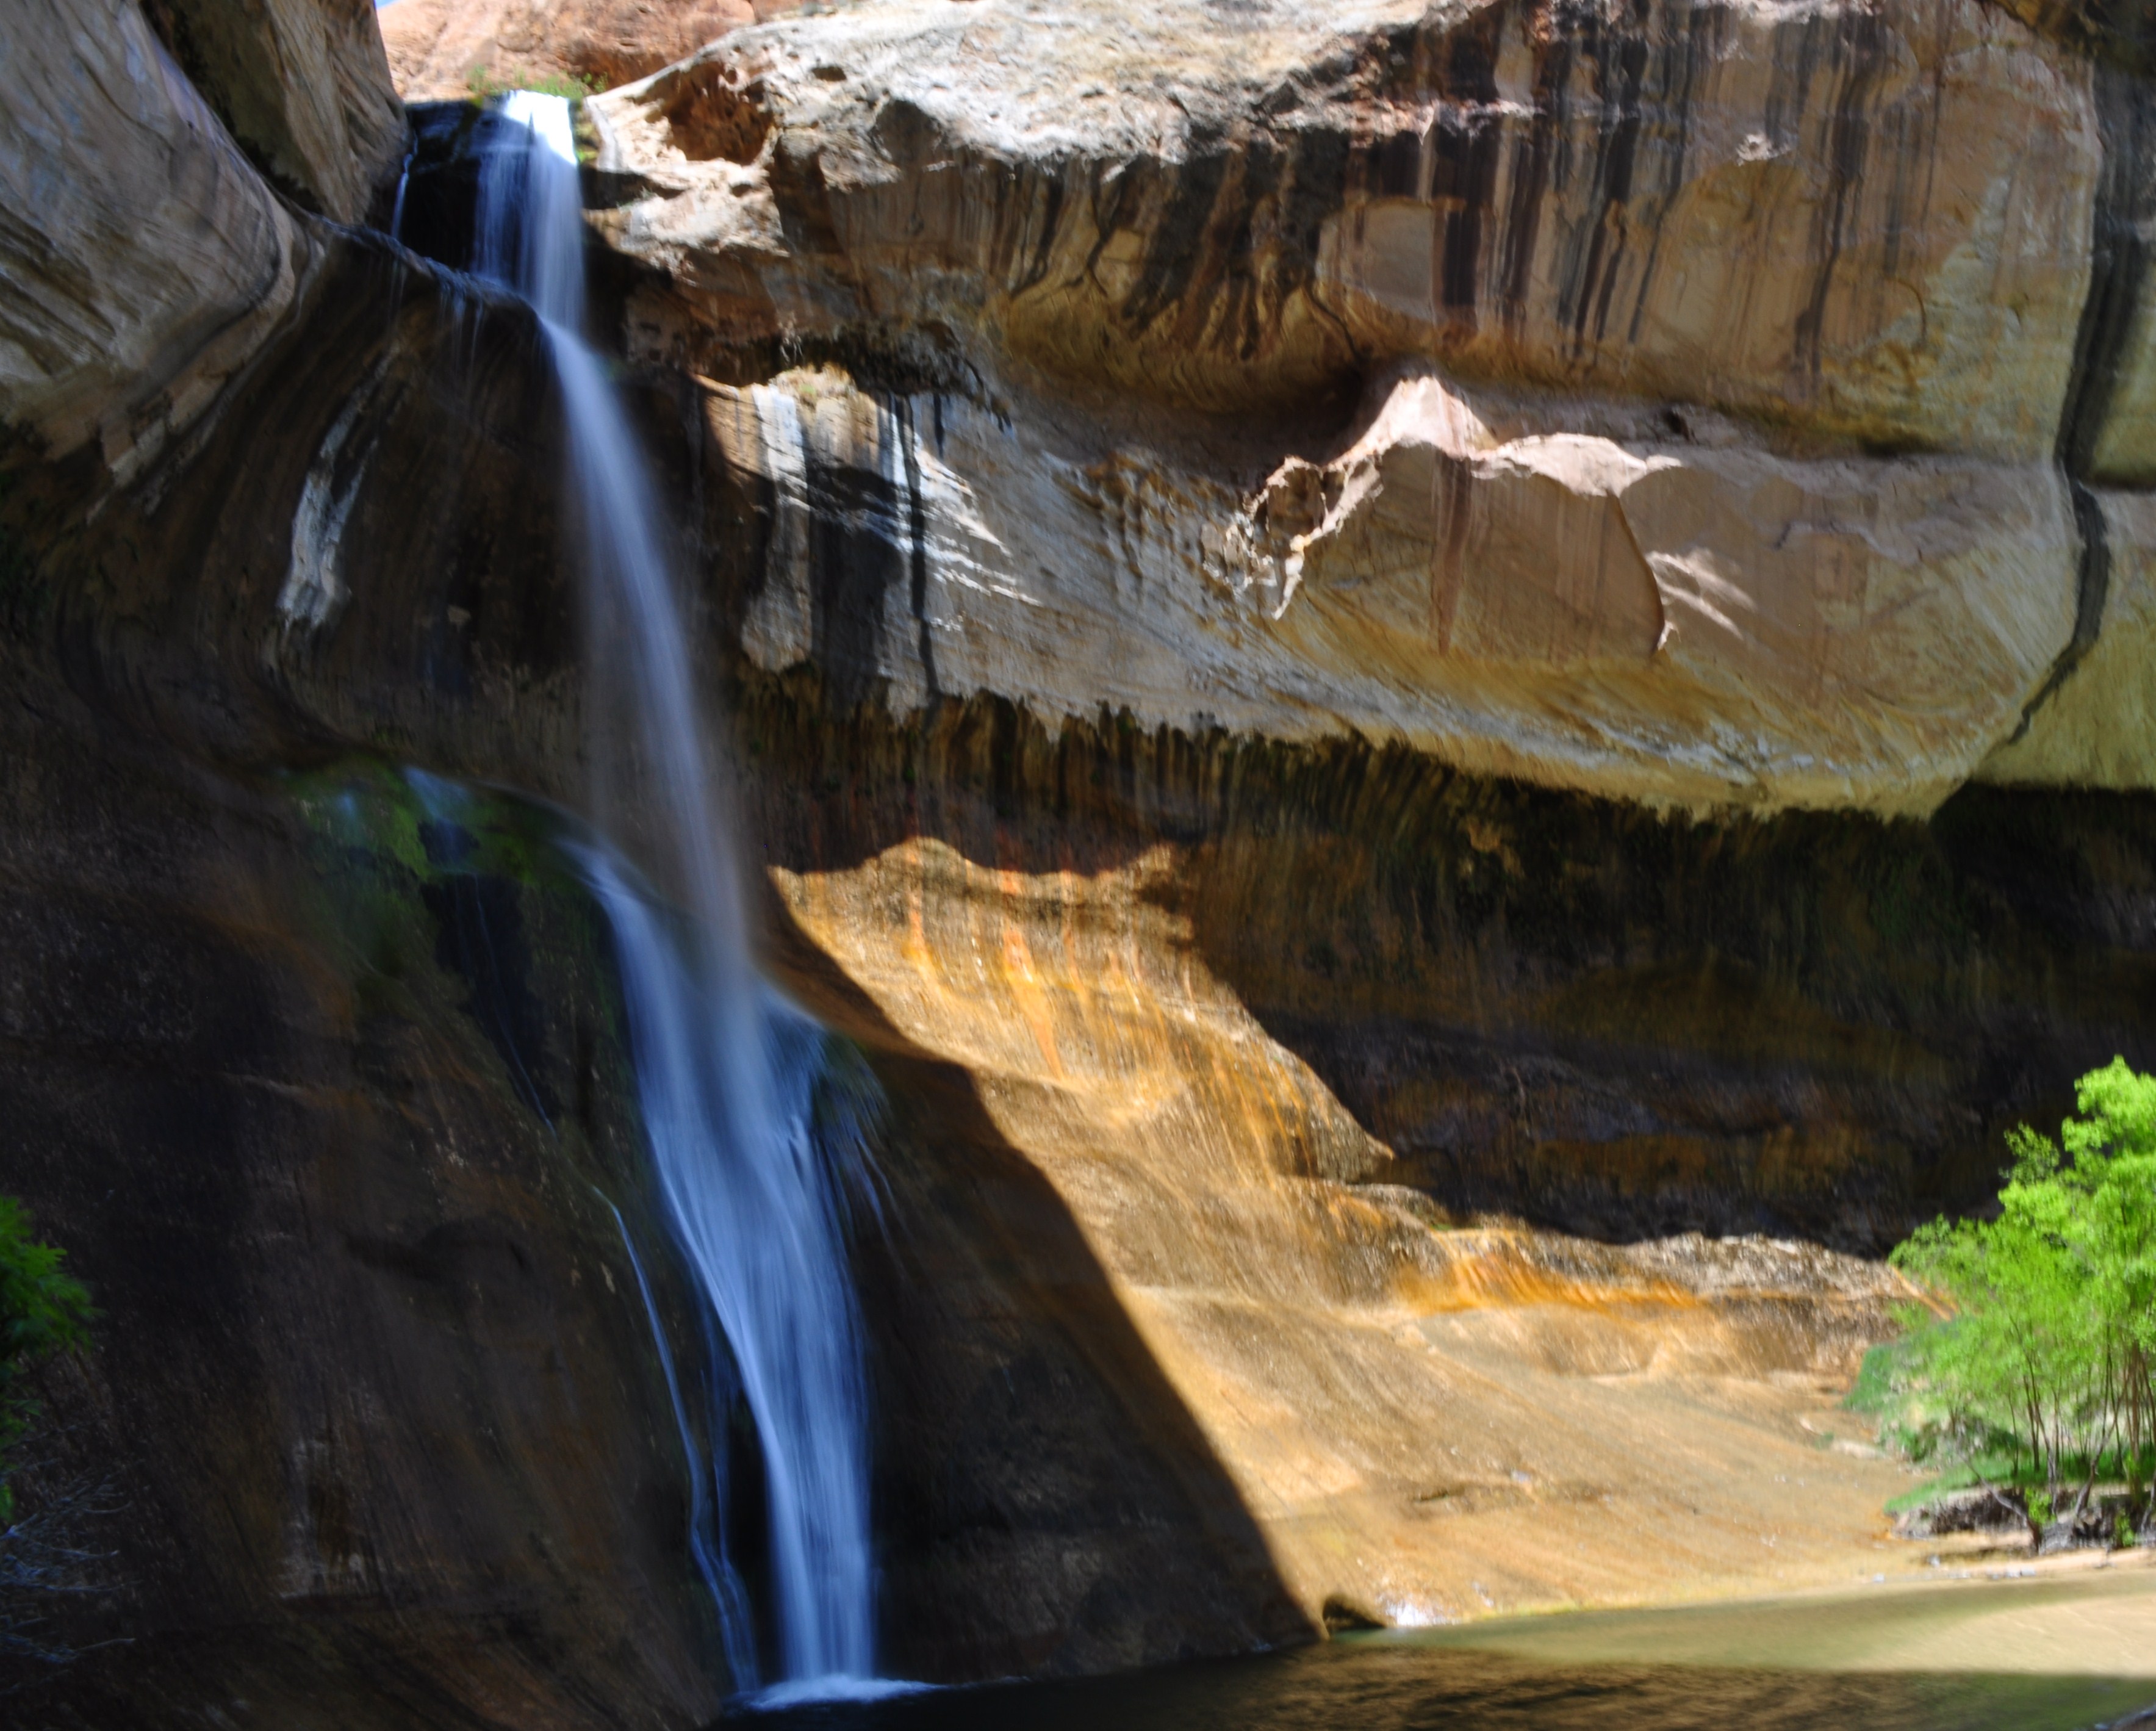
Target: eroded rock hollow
1456	700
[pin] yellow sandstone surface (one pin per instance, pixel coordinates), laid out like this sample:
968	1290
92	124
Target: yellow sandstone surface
1426	1422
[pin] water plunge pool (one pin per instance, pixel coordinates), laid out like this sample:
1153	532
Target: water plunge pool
2071	1651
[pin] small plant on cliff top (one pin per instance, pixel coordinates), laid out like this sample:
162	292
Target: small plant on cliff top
44	1310
2051	1335
485	86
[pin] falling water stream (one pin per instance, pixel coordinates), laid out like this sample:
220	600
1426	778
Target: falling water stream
726	1072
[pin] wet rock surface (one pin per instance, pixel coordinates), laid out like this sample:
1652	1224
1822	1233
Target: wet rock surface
328	1128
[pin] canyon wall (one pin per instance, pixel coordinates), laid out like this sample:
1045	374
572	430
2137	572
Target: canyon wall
321	1089
1447	615
1453	702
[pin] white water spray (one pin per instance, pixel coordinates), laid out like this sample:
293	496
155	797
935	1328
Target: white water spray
726	1073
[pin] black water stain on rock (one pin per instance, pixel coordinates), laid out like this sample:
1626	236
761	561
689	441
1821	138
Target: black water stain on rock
855	561
2120	256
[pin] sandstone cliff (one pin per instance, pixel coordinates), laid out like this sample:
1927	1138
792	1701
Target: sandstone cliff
319	1087
1380	676
1725	375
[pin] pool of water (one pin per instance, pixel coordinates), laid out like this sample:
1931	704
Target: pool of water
2024	1655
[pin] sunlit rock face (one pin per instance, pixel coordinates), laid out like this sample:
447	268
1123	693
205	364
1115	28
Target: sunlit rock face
1641	616
1835	632
1871	224
1419	1420
1519	387
2099	730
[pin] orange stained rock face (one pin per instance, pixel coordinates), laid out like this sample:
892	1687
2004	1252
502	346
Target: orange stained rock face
1427	1422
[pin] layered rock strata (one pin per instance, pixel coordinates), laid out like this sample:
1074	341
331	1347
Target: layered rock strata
1420	1422
1873	225
1646	617
1150	970
1166	493
148	261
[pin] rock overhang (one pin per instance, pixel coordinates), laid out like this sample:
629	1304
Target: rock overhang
1818	272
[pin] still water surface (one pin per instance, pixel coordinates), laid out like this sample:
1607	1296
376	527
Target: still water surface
2031	1656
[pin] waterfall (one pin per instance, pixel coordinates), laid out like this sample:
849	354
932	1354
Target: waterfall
726	1073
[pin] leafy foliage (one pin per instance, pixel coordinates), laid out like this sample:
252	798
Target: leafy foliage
2046	1354
44	1310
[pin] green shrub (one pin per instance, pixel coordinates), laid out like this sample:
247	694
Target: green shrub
2047	1344
485	86
44	1310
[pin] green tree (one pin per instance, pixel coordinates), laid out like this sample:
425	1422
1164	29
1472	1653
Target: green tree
44	1310
2052	1331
